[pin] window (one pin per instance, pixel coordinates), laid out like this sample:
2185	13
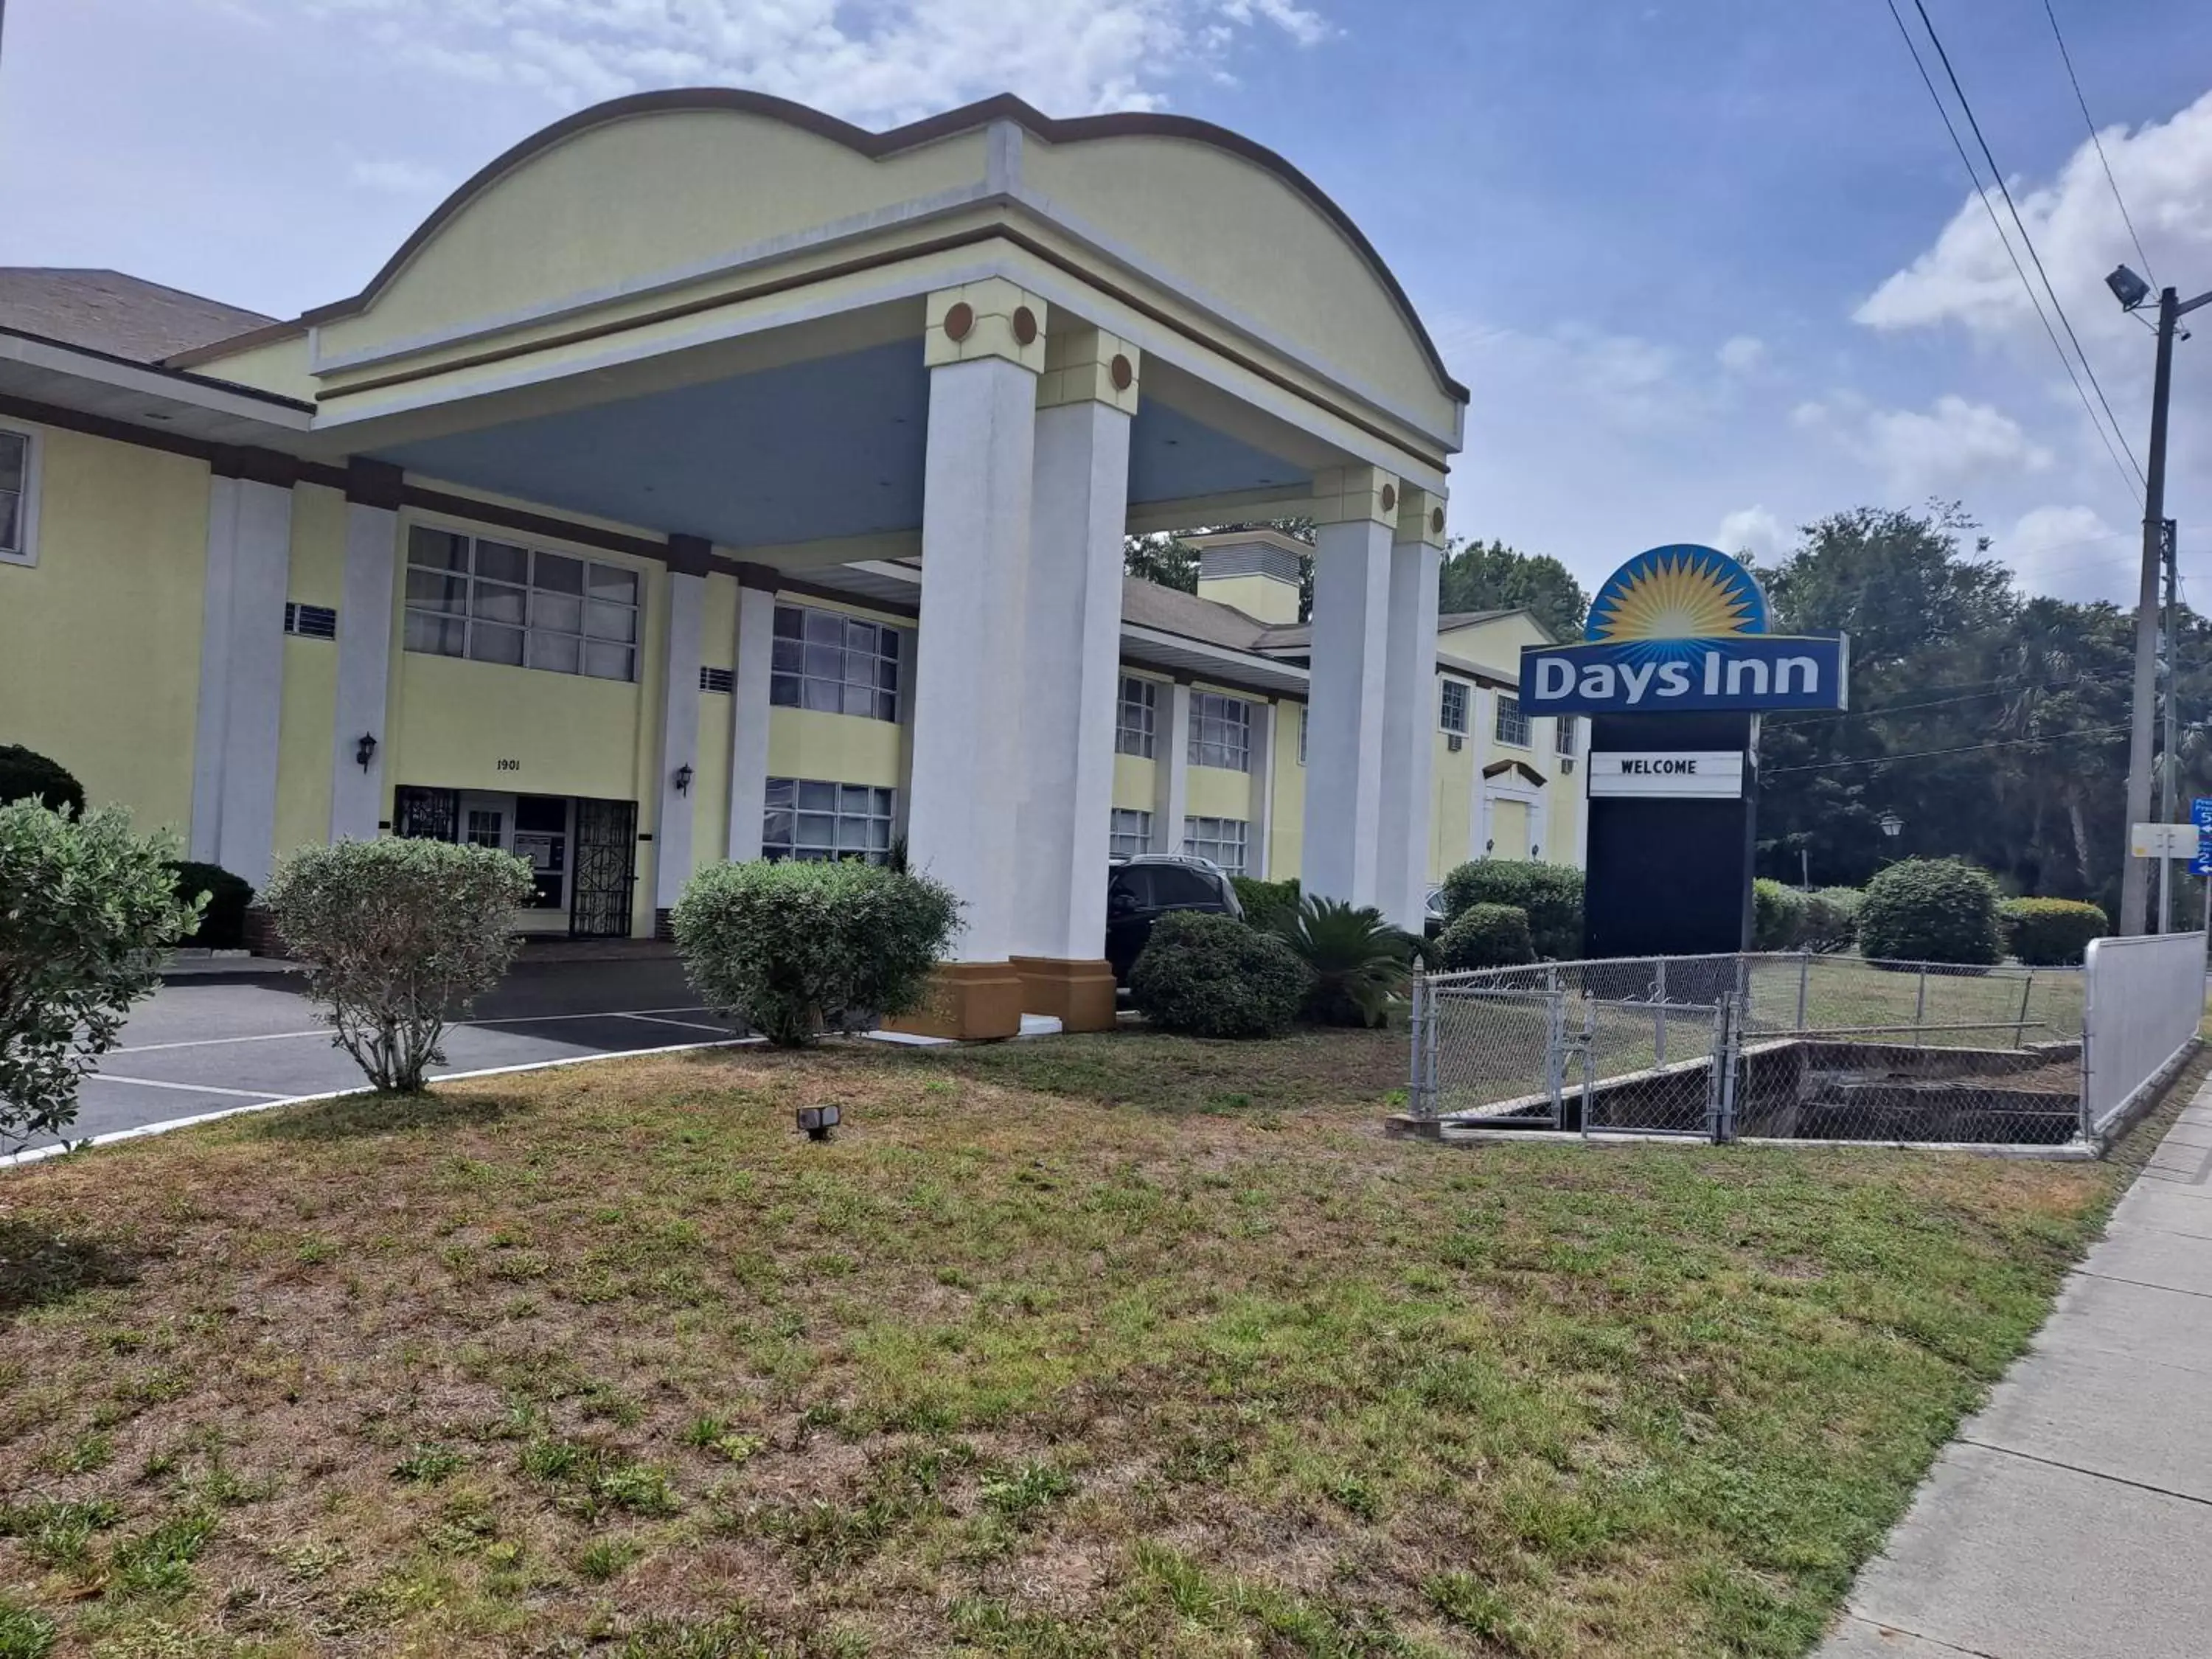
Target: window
810	820
1512	724
469	596
1221	840
1131	834
1139	717
834	664
1452	716
1301	734
1563	735
19	498
1220	731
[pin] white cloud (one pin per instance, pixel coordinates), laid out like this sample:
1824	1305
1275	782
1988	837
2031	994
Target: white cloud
1755	531
879	63
1953	443
1743	354
2071	553
1622	380
399	178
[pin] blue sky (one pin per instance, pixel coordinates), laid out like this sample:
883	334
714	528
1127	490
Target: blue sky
1709	268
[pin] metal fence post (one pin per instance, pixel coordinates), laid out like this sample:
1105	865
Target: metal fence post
1920	1007
1659	990
1417	1079
2019	1034
1804	983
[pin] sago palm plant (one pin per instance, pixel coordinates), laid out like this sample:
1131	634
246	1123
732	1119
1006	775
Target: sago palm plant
1360	962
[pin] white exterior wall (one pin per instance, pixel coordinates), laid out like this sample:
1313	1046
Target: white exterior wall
679	740
748	717
1344	725
241	691
365	603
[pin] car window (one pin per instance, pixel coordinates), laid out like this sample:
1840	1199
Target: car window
1137	884
1173	885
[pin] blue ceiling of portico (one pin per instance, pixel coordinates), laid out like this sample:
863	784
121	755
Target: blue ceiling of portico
828	448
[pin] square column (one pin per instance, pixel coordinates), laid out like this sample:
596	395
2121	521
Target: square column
985	348
1071	635
679	725
365	606
1257	860
1171	771
1409	705
241	690
1355	520
749	712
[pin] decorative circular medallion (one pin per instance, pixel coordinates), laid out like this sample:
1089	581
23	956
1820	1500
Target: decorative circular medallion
1437	521
959	320
1121	373
1389	498
1025	326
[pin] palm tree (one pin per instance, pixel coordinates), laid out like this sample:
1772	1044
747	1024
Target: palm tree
1360	962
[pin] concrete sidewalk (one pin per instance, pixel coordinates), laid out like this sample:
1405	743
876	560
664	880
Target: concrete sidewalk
2073	1517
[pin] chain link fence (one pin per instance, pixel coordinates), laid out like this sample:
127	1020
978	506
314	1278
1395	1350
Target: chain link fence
1793	1047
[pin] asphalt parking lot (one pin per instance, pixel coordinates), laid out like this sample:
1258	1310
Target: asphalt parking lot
205	1045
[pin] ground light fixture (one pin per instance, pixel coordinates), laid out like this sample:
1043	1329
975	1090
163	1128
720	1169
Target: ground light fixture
818	1120
364	751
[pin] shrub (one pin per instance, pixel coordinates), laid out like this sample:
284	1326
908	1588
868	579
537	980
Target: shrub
796	949
1359	961
25	776
1551	895
222	923
1486	936
1267	904
2048	933
1208	974
402	935
1832	919
86	909
1930	910
1778	916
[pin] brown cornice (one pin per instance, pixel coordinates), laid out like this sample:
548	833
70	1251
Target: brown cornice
875	146
690	556
374	483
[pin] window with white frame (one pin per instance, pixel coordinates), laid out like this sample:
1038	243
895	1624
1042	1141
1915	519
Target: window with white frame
1220	731
1451	714
834	664
1512	724
492	601
1301	734
18	497
1138	716
1564	737
1131	834
807	819
1221	840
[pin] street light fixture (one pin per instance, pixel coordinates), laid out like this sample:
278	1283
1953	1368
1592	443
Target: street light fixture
1891	825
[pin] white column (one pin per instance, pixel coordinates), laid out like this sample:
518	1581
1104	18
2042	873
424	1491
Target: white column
1171	769
241	689
1355	514
1581	787
1256	860
977	482
1409	710
749	714
1483	706
1072	636
366	599
1540	824
679	740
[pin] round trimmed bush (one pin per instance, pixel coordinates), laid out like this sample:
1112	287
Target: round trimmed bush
1931	910
2049	933
795	948
1270	906
1486	936
222	923
27	776
1549	895
1831	920
1778	916
1210	975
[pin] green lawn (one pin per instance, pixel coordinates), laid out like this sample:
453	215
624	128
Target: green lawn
1103	1345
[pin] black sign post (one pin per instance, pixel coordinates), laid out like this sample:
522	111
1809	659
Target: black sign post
1669	875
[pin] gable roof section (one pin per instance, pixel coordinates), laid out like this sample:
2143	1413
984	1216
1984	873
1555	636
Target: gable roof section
108	311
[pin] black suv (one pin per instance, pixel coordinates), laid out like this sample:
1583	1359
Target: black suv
1141	890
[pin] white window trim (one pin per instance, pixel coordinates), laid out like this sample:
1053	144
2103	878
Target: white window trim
1193	744
27	522
1195	829
1526	722
905	641
455	524
1151	737
1444	686
1142	829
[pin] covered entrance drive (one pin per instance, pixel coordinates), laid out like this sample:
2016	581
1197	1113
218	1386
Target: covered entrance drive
943	370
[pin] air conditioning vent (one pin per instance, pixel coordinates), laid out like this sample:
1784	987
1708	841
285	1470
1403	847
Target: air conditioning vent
717	679
310	622
1454	742
1566	765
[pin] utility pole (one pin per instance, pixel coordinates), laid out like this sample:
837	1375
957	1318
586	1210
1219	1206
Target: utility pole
2166	757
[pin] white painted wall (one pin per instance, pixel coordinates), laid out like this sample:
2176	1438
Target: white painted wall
241	677
1409	721
365	605
1170	767
1344	728
748	717
679	738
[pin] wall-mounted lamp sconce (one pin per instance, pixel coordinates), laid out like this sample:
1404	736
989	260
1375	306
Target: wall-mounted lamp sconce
684	778
365	750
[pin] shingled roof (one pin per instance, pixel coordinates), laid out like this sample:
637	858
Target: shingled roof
107	311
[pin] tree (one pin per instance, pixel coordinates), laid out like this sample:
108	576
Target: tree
1491	576
87	908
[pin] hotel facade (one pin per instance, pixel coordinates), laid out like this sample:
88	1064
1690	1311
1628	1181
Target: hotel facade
707	478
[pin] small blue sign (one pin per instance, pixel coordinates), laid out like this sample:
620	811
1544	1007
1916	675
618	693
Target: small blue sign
1736	673
2201	864
2200	811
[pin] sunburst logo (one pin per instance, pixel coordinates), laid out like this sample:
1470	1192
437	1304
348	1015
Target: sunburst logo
1676	594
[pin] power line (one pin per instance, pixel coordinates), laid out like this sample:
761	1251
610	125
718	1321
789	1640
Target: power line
2097	139
2027	241
1974	177
1963	749
1997	687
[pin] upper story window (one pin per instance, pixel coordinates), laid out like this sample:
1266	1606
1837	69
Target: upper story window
1451	714
834	664
1564	736
1139	717
1220	731
491	601
19	498
1512	724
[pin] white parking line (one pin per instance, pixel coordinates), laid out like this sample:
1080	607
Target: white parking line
210	1042
187	1088
688	1024
507	1019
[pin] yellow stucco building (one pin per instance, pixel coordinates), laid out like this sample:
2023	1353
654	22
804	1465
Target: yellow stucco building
707	478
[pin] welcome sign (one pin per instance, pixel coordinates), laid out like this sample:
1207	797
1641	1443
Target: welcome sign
1682	629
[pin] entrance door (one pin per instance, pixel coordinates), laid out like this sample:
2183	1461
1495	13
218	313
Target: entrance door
605	868
487	821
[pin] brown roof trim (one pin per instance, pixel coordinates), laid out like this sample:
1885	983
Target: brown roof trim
167	368
532	524
267	334
1498	769
875	146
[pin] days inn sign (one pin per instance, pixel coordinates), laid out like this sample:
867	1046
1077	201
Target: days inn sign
1682	631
